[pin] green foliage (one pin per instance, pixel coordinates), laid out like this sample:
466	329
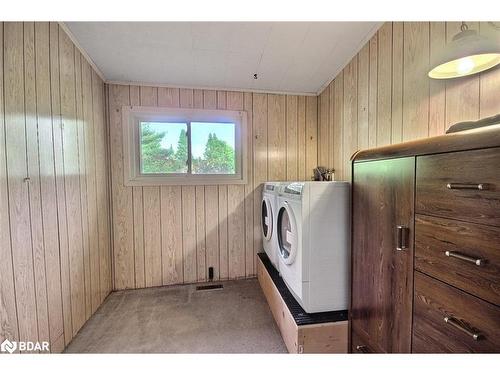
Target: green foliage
181	156
153	155
218	157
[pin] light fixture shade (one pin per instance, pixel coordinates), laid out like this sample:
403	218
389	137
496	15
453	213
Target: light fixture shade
468	53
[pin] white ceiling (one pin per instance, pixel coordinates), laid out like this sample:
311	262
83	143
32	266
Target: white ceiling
294	57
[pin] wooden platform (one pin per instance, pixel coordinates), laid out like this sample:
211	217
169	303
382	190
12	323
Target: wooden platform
325	337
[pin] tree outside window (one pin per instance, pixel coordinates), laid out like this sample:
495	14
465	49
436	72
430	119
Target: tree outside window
164	148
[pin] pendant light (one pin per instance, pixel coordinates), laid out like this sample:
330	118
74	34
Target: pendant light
468	53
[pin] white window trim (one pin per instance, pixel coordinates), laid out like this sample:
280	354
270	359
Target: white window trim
133	115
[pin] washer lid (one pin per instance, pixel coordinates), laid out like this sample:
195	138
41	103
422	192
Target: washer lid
267	219
287	233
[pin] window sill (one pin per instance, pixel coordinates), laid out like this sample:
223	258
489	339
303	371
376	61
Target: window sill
161	181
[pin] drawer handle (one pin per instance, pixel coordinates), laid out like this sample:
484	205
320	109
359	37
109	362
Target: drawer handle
457	186
457	255
362	348
402	237
454	322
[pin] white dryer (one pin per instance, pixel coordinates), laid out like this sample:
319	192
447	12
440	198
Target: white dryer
269	210
313	225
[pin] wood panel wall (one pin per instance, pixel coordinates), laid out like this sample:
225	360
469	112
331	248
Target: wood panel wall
56	260
383	96
173	234
55	263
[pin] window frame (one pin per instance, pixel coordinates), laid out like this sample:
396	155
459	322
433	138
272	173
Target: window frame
132	116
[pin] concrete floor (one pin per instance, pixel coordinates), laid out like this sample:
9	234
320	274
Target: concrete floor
180	319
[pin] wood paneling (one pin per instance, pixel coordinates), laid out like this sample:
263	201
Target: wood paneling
276	158
189	233
372	91
384	85
48	185
171	232
123	215
91	185
363	96
301	138
59	170
250	243
338	129
292	135
397	82
211	229
323	112
34	188
102	176
183	230
415	81
437	92
17	182
8	308
72	179
403	103
311	123
350	132
50	260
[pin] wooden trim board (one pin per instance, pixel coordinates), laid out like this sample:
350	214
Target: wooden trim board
311	338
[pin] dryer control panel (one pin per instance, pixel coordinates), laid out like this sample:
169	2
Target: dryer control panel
270	187
294	188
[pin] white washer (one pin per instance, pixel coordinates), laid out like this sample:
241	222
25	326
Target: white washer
269	210
313	225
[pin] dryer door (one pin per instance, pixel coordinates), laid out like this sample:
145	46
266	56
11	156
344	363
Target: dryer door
267	219
287	233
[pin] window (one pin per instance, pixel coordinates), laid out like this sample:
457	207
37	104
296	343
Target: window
183	146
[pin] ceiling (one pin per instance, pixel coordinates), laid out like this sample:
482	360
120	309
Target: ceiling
291	57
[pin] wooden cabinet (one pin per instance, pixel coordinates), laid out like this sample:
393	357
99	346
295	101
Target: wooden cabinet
449	320
440	294
460	185
464	255
360	345
382	253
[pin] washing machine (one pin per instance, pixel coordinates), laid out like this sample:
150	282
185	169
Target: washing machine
269	210
313	227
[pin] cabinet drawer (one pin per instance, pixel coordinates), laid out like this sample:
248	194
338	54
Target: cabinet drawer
460	185
466	316
461	254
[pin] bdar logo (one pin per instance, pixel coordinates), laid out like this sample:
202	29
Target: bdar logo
8	346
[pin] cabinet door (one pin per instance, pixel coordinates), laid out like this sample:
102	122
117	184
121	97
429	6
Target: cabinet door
382	253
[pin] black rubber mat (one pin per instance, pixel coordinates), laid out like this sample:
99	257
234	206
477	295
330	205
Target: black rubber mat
210	287
298	313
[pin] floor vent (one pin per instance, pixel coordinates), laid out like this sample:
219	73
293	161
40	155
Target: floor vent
209	287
